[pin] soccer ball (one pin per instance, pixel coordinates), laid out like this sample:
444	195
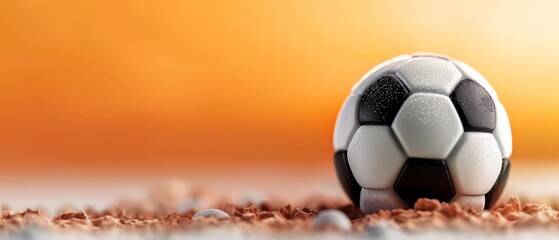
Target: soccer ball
422	126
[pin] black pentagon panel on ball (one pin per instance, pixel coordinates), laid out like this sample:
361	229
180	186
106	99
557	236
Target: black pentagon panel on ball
493	195
381	101
424	178
346	178
475	106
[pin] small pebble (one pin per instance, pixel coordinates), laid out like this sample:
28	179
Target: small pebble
215	213
331	219
378	230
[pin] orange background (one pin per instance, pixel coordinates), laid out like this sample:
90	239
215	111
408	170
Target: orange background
150	88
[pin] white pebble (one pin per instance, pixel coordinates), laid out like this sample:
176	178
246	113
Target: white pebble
215	213
378	230
332	219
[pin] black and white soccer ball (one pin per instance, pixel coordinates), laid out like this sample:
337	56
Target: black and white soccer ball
422	126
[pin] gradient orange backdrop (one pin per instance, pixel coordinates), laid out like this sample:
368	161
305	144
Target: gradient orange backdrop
172	87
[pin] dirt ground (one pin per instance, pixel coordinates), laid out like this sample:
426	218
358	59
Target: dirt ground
272	218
